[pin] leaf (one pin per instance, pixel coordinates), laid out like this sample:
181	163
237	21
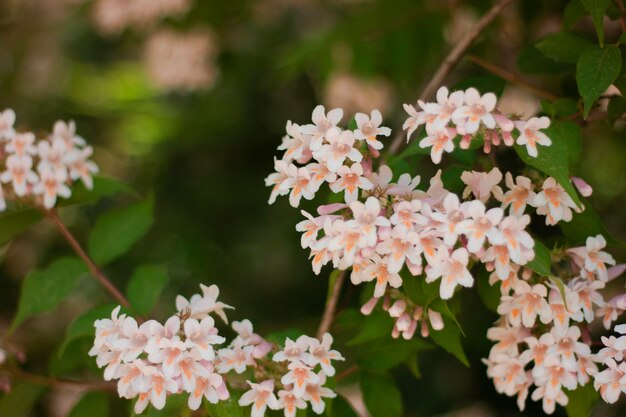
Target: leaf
102	187
560	107
145	287
582	225
561	286
117	231
483	83
555	159
596	9
224	408
449	338
581	401
92	404
341	408
489	294
542	261
596	70
82	326
375	325
441	306
573	13
563	47
13	223
380	394
20	401
617	107
532	61
44	289
386	353
279	338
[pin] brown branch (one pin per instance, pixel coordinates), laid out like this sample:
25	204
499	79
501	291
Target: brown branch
95	271
511	77
350	371
453	58
331	305
55	382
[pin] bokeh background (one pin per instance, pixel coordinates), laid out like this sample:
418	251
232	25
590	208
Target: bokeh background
188	99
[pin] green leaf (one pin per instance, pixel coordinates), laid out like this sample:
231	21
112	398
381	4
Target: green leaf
419	291
542	261
581	401
92	404
21	399
102	187
563	47
13	223
617	107
145	287
375	325
386	353
555	159
561	286
532	61
489	294
225	408
596	9
560	107
573	13
483	83
341	408
596	70
380	394
82	326
44	289
279	337
117	231
449	338
584	224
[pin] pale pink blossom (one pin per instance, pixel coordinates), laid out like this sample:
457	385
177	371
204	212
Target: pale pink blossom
368	128
290	402
401	245
350	180
80	166
526	304
480	225
21	144
530	134
452	269
322	123
20	174
7	120
261	396
315	394
475	110
520	193
592	259
52	185
200	306
553	202
439	141
482	184
445	107
322	354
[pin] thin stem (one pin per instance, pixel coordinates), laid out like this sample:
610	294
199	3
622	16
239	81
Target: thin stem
511	77
331	305
55	382
95	271
453	58
622	17
350	371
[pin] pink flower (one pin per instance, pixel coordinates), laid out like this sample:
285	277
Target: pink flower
322	123
80	167
51	185
440	140
322	354
452	268
315	394
520	193
530	134
480	225
553	202
21	144
290	402
445	107
339	147
367	218
299	375
7	120
299	181
20	174
278	180
201	336
401	245
592	259
260	396
476	109
295	144
526	304
482	184
350	181
369	128
200	306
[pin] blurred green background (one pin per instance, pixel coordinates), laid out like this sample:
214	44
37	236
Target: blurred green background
203	145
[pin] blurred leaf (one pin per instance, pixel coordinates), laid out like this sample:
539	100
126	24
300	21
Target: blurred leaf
412	362
451	178
489	294
419	291
532	61
542	261
581	401
380	394
118	230
20	401
83	326
555	159
449	338
44	289
224	408
13	223
102	187
563	47
573	13
596	9
92	404
582	225
560	107
595	72
561	286
145	287
387	352
341	408
279	337
375	325
483	83
617	107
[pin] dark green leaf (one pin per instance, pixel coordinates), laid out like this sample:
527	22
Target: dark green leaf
12	223
596	70
542	261
102	187
44	289
226	408
341	408
92	404
585	224
385	353
596	9
617	107
573	13
449	338
145	287
560	107
563	47
20	401
374	326
581	401
489	294
532	61
381	395
82	326
419	291
117	231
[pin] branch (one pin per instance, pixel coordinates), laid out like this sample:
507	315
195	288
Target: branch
95	271
453	58
55	382
331	305
511	77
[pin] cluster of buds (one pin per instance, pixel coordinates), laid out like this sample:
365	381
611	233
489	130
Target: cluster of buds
542	336
39	170
469	114
151	360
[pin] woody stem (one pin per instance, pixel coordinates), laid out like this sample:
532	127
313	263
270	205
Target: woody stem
331	305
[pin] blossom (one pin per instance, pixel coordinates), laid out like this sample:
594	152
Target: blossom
475	110
378	270
80	167
21	144
200	306
19	174
290	402
322	123
452	268
201	335
520	193
369	127
480	225
530	134
482	184
278	180
367	218
299	180
401	245
66	132
526	304
7	120
591	258
299	375
553	202
294	351
611	382
339	147
350	180
260	396
440	141
445	106
51	185
206	386
295	144
322	354
315	394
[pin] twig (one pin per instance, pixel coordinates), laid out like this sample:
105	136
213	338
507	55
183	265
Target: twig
95	271
55	382
343	375
453	58
511	77
331	305
622	17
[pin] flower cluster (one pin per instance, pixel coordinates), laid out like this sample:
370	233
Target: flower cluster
112	16
611	382
42	169
469	114
538	338
298	376
151	360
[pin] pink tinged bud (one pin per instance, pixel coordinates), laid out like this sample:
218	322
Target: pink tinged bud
262	349
386	302
330	208
403	322
465	141
495	138
504	122
414	269
615	271
408	334
526	274
487	145
424	330
417	313
368	307
489	266
436	321
395	333
508	138
397	308
582	186
366	164
374	152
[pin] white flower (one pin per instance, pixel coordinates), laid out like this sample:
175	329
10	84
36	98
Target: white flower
52	155
369	128
67	133
237	358
207	386
260	396
299	181
530	134
526	304
407	213
200	306
277	180
290	402
445	107
295	351
7	120
22	144
299	375
201	335
520	193
378	270
476	109
553	202
452	268
367	218
80	167
295	144
400	245
611	382
19	174
480	225
315	394
591	258
158	388
482	184
339	147
405	187
322	123
322	354
350	181
440	140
